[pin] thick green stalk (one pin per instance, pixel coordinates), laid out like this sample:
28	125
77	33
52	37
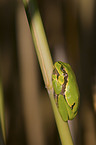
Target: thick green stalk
46	64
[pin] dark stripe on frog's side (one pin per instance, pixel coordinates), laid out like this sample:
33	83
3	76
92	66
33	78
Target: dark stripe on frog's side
65	79
55	72
65	83
72	106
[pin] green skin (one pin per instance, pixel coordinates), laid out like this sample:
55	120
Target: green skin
66	91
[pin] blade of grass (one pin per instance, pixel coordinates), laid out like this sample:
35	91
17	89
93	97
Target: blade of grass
46	64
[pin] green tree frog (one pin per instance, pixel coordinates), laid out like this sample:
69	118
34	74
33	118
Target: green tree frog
66	92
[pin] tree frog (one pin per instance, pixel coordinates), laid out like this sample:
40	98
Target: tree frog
66	92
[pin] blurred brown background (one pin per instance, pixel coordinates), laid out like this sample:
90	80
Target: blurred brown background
70	27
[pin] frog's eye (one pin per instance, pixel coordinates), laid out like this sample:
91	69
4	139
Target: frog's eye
56	74
64	72
55	71
72	106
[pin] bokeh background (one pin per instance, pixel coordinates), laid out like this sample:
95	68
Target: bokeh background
70	27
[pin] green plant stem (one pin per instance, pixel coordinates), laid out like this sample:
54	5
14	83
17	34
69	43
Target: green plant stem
46	64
